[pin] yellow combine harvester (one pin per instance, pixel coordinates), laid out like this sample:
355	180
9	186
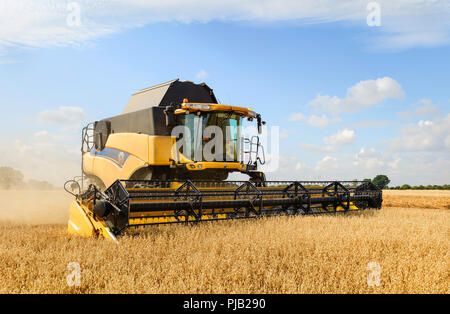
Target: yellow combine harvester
166	159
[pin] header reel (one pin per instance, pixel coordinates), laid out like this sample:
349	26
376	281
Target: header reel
137	203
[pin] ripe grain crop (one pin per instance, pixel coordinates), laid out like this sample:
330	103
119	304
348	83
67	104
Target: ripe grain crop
418	193
416	199
326	254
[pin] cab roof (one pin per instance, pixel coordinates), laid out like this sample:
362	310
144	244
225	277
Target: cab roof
170	92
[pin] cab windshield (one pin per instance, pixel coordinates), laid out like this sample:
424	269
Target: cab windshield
203	128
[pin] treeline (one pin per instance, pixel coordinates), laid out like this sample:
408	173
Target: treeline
382	181
420	187
11	178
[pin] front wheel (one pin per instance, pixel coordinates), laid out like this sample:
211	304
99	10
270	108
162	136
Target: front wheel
140	178
99	184
258	178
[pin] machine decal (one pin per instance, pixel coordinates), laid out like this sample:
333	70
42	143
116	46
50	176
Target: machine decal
116	156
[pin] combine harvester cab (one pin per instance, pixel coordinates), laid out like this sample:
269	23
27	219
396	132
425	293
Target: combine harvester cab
137	175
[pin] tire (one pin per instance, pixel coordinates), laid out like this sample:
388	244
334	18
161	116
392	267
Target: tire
97	182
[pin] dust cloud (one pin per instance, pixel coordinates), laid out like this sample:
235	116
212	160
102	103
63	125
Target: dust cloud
34	207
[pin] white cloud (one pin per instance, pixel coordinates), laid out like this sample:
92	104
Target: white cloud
365	153
315	120
394	163
284	134
43	23
429	167
322	121
327	162
325	102
370	124
424	108
46	136
343	137
201	75
318	121
409	29
447	141
412	168
425	135
300	166
362	95
285	165
332	143
40	23
66	117
369	159
317	148
297	117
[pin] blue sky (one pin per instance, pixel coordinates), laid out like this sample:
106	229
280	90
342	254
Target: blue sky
384	97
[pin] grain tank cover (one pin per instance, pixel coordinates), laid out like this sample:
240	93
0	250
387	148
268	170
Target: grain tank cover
170	92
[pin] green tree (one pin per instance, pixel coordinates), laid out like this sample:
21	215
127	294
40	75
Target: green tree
405	187
381	181
10	177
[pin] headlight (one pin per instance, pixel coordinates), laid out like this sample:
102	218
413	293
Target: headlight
200	167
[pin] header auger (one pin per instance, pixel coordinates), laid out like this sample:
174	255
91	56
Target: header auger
140	175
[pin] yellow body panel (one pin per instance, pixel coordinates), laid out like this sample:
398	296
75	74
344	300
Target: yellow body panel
108	171
153	149
162	149
79	222
83	223
131	143
143	150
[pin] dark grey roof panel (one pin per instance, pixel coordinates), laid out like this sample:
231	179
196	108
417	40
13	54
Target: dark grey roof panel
170	92
148	97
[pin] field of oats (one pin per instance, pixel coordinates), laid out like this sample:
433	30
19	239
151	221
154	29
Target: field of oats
408	239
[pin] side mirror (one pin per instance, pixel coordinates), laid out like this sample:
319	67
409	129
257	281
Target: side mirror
170	115
170	119
260	123
102	129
